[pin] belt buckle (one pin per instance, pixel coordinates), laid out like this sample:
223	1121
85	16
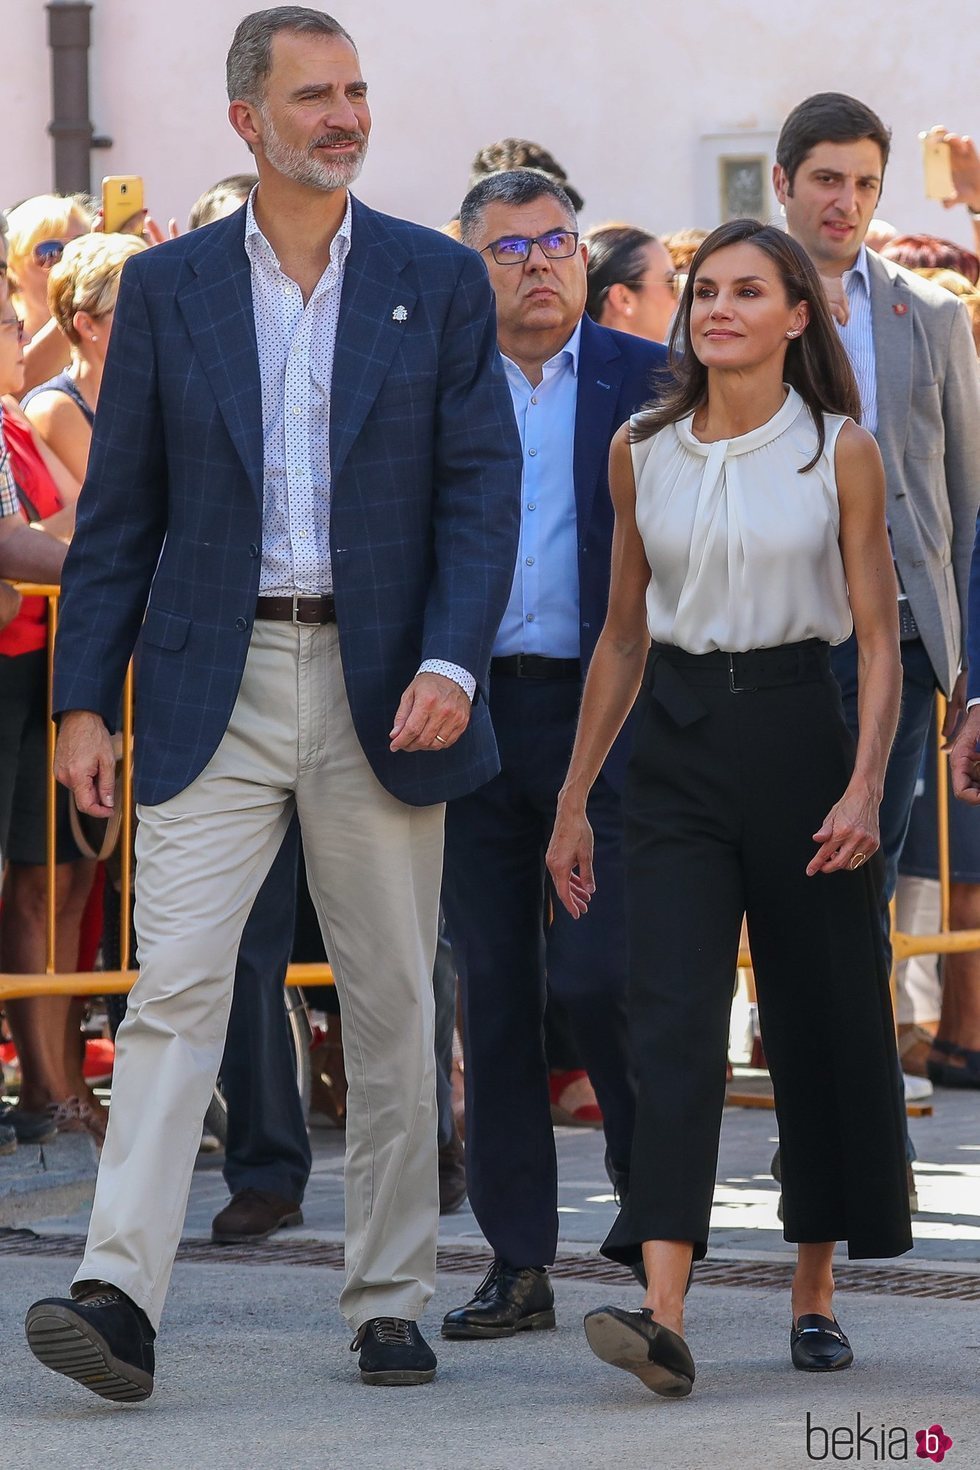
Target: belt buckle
520	667
295	617
737	688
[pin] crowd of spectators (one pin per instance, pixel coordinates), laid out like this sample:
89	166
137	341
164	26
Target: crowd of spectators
58	280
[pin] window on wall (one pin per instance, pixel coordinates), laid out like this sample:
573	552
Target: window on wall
743	188
734	172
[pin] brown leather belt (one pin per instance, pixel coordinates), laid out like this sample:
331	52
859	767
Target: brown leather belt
309	611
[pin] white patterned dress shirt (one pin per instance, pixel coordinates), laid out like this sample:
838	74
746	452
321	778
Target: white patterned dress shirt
296	344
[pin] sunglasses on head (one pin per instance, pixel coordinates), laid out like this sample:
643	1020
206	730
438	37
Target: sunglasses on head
48	252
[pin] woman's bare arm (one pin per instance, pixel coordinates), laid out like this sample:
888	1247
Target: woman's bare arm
610	689
851	827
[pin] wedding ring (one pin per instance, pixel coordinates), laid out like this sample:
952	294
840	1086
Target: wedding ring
857	860
440	740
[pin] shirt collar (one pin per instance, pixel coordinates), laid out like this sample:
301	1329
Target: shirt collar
256	241
569	353
859	271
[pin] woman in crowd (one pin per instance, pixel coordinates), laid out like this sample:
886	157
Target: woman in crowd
82	292
930	252
39	229
750	531
47	1037
632	282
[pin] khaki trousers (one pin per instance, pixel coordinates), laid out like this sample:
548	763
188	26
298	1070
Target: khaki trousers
375	867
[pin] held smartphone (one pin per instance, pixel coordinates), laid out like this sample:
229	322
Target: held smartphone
122	204
937	166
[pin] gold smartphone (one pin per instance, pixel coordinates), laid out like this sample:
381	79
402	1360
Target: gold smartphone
122	204
937	166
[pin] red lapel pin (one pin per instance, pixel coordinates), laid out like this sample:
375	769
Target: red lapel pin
900	308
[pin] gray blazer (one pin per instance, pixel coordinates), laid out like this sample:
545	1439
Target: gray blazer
929	436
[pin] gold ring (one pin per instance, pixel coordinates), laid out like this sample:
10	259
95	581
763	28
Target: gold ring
857	860
440	740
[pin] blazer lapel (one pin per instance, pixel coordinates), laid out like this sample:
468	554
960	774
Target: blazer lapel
600	377
217	308
891	319
374	306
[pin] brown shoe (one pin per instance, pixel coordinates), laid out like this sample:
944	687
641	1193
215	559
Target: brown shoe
452	1175
253	1214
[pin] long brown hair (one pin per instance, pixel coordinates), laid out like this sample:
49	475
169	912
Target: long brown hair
816	364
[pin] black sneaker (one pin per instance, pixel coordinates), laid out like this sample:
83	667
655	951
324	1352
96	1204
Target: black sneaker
100	1339
393	1352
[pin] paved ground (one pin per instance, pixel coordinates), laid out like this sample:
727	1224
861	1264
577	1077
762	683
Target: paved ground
254	1369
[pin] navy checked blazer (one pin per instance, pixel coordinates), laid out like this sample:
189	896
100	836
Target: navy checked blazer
617	375
425	501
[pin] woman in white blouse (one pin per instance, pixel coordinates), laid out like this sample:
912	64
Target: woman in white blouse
750	535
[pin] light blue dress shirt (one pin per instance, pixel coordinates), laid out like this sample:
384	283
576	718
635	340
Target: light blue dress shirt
858	338
542	615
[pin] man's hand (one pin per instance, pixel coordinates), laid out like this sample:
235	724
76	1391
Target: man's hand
965	167
85	763
833	287
964	759
10	601
432	715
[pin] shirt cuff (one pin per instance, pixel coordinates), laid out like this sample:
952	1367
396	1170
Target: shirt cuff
459	676
971	702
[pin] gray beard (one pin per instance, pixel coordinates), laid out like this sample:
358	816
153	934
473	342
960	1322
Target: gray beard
303	167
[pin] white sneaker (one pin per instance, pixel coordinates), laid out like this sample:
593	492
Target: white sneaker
916	1088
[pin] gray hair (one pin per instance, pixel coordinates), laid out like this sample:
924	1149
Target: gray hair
513	186
250	55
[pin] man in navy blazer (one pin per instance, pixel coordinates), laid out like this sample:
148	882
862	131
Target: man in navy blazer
302	508
572	384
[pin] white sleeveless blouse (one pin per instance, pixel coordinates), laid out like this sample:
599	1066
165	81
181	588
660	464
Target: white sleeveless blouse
743	549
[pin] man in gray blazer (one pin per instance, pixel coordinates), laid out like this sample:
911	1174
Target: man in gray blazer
913	356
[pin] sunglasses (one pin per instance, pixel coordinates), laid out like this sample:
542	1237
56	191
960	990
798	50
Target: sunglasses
17	324
48	252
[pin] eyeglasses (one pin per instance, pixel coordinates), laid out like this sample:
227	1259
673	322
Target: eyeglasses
671	280
17	324
48	252
516	249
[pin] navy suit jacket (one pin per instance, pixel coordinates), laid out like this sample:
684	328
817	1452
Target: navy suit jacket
425	499
617	375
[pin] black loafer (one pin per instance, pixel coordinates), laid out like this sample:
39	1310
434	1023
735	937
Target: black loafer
508	1300
393	1353
634	1341
818	1345
100	1339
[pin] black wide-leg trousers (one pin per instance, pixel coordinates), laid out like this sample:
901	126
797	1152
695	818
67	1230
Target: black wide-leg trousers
722	800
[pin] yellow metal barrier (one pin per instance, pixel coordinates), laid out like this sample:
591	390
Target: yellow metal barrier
99	982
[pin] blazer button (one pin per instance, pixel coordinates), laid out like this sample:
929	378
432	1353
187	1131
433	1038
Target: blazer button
241	624
253	550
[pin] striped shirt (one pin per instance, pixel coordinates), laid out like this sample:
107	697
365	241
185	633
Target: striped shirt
858	338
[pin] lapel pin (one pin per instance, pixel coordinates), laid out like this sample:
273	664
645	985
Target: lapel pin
900	308
399	314
600	384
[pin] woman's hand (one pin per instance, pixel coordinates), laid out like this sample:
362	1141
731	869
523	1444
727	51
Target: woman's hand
569	859
849	835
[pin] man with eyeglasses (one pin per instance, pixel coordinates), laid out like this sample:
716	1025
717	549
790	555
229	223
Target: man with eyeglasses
572	384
